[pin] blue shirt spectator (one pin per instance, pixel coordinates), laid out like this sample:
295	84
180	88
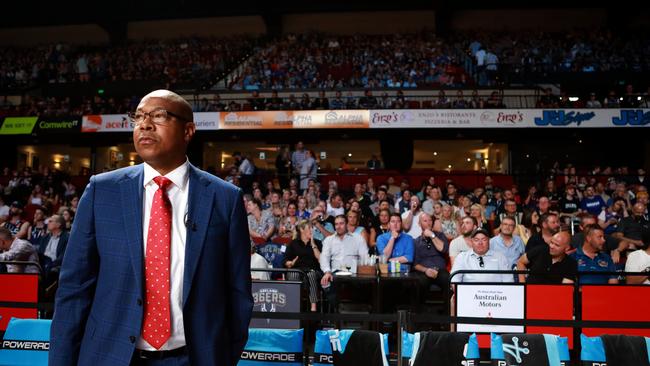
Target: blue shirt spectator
592	204
602	262
512	252
403	245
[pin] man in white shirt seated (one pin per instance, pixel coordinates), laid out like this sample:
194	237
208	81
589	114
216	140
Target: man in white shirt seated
463	242
639	261
259	262
340	251
481	258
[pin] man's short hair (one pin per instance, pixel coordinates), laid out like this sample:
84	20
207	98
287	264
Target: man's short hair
474	220
395	214
345	218
546	216
589	229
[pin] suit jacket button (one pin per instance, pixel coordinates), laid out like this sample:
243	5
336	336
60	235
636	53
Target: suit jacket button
139	302
132	339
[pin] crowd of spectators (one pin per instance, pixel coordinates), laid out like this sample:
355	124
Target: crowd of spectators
186	61
579	51
585	220
37	210
569	223
320	61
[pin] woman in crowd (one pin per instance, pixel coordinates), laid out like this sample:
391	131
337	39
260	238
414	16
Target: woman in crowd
354	225
464	207
448	224
289	221
68	216
437	210
488	210
302	211
529	225
38	228
476	211
303	253
380	227
260	223
36	198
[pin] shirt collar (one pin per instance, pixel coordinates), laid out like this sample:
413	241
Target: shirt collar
487	254
178	176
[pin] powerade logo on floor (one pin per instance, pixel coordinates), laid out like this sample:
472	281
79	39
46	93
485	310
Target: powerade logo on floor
563	118
25	345
632	117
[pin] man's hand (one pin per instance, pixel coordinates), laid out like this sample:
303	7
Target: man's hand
616	256
327	278
394	234
428	233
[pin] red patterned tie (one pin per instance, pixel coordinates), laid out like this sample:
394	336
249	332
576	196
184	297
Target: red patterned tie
156	328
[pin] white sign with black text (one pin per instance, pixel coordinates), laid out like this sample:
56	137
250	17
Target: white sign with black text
490	301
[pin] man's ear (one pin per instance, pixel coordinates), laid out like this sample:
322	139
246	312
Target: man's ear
190	129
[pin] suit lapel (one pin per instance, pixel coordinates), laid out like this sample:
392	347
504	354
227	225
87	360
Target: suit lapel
198	216
131	193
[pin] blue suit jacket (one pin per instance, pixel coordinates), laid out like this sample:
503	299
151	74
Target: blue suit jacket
98	306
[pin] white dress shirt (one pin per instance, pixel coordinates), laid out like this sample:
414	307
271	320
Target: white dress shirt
337	252
178	196
52	246
492	260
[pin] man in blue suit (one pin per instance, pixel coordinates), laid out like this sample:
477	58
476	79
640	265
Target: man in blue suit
157	266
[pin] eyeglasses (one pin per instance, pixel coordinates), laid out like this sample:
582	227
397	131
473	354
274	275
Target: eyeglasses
480	262
158	116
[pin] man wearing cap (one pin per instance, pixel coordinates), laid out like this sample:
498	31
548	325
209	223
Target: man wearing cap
18	227
481	258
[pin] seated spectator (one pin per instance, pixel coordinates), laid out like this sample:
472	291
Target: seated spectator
322	222
367	101
509	209
337	102
612	215
592	203
335	205
548	100
260	223
256	102
321	102
591	256
38	227
411	218
639	261
631	228
511	246
550	225
15	223
302	211
434	196
288	225
550	265
447	223
274	103
51	247
339	251
430	250
380	226
259	262
354	225
593	102
4	210
396	245
529	225
15	249
303	253
463	242
374	162
480	257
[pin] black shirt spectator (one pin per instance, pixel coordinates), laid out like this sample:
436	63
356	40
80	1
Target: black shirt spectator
569	205
543	270
367	101
274	103
428	255
256	102
304	252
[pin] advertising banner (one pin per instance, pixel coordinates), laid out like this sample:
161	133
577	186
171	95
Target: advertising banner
206	121
106	123
57	125
18	125
276	296
490	301
508	118
266	120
